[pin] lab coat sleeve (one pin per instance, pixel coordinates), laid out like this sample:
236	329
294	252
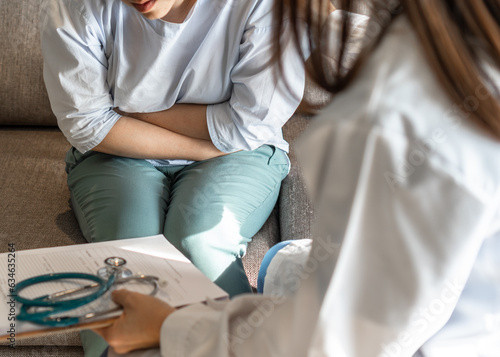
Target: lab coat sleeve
260	101
75	70
249	325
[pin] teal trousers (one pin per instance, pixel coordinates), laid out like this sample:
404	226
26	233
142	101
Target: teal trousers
209	209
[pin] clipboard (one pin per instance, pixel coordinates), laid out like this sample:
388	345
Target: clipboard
183	284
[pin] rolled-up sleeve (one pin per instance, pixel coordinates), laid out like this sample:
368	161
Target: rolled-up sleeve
75	70
261	102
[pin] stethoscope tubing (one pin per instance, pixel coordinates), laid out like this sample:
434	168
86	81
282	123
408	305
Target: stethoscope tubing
53	306
46	301
57	306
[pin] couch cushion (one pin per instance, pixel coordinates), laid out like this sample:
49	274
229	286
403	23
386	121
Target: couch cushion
34	198
34	204
41	351
23	99
265	238
296	209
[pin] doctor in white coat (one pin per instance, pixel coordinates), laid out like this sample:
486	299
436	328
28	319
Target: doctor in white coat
404	170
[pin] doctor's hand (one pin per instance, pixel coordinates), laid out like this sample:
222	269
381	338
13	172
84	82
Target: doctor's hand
139	325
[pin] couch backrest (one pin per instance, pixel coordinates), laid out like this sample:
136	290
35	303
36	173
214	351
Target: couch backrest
23	99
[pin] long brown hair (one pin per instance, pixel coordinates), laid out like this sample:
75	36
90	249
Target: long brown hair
458	37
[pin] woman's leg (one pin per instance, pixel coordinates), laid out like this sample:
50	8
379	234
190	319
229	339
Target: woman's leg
115	197
217	206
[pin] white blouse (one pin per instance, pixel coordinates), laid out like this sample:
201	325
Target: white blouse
406	249
103	54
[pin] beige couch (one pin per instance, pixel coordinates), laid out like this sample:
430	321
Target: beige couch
34	199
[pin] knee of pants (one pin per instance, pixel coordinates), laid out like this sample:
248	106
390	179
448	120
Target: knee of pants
211	244
103	224
213	251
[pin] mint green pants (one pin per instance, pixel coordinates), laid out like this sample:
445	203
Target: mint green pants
209	209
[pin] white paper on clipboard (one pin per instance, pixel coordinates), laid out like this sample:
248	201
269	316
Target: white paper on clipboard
181	283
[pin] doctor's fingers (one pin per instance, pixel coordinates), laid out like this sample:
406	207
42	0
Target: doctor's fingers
132	301
125	298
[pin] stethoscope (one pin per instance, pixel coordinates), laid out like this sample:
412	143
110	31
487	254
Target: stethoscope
40	310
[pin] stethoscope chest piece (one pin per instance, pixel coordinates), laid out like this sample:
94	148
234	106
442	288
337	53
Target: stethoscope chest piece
115	261
116	266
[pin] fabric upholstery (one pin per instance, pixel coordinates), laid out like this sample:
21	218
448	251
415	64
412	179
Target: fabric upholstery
34	206
33	193
41	351
23	100
296	210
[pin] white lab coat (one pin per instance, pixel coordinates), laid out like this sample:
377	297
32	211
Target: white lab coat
407	192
